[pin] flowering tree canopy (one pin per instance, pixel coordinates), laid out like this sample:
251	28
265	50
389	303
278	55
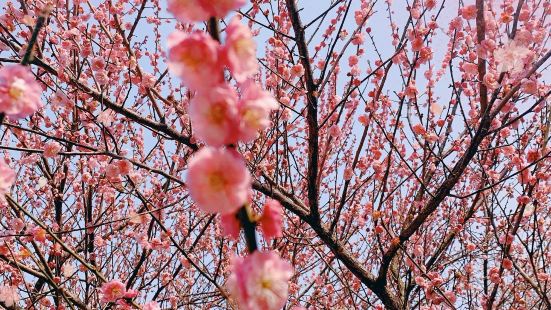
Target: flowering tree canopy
275	154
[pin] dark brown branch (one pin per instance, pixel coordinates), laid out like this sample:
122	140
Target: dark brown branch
312	108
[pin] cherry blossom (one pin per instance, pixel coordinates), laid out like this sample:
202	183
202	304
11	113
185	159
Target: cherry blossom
218	180
230	225
51	149
194	57
221	8
153	305
19	91
112	291
214	115
188	10
239	50
391	152
9	296
254	111
511	57
260	281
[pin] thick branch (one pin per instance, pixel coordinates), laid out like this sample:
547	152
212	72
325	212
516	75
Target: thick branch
312	104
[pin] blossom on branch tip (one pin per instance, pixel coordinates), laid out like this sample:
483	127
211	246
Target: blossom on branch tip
218	180
239	52
194	58
511	57
51	149
260	281
112	291
19	91
214	115
254	110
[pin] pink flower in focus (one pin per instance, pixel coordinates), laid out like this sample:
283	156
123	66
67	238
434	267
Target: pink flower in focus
213	115
260	281
254	110
9	296
218	180
51	149
230	225
7	177
194	58
511	57
272	219
240	50
187	11
19	91
112	291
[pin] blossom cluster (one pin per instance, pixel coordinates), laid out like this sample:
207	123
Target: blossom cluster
218	179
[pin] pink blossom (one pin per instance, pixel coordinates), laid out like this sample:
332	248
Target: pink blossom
218	180
418	129
152	305
188	10
7	177
272	219
511	57
9	296
51	149
490	80
200	10
230	225
260	281
130	294
469	12
221	8
112	171
112	291
194	58
348	173
254	110
124	166
19	91
240	50
507	264
39	234
335	131
470	68
297	70
363	119
97	64
214	116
